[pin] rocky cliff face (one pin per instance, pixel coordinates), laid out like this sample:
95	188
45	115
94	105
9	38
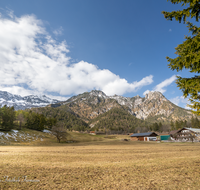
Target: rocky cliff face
25	102
153	104
90	104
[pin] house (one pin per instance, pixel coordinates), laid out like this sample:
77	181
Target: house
151	136
186	134
172	133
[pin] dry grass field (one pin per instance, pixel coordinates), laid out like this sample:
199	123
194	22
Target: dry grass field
108	164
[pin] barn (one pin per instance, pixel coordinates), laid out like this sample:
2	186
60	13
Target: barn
151	136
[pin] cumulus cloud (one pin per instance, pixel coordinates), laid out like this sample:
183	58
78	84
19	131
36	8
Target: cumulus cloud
160	87
32	62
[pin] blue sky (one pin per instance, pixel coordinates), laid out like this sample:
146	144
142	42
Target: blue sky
66	47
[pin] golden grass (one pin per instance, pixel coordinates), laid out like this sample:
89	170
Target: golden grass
109	164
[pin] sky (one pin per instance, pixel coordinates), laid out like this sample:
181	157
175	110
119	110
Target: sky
67	47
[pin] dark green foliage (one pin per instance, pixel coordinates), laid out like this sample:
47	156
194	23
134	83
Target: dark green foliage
117	119
64	114
188	56
50	122
172	125
156	127
178	124
35	121
7	117
192	10
195	123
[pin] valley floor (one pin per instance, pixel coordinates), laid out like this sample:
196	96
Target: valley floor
111	164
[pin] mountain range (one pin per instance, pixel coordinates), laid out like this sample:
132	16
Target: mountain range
21	103
154	107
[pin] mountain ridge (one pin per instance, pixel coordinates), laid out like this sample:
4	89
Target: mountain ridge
24	102
89	105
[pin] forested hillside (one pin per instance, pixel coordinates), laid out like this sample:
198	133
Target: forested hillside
117	119
65	115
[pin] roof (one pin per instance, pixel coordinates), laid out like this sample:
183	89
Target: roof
143	134
173	132
196	130
163	134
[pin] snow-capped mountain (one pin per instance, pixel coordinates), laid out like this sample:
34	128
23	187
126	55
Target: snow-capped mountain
21	103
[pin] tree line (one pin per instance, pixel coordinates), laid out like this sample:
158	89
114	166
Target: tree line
11	119
114	120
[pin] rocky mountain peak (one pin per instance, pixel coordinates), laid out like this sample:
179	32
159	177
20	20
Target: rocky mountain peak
153	106
25	102
153	95
137	97
97	93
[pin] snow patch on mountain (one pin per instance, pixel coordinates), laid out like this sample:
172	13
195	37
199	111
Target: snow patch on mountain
21	103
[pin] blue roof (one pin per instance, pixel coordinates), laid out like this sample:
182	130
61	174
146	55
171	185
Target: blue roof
143	134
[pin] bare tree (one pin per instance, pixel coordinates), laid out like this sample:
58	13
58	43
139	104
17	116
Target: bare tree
59	131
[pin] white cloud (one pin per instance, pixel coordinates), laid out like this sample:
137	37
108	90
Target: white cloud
170	30
121	86
61	98
180	101
33	62
58	31
160	87
146	92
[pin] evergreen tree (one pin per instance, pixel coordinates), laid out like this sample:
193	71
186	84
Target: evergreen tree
35	121
7	115
177	125
188	56
185	123
172	125
50	122
160	126
155	126
195	122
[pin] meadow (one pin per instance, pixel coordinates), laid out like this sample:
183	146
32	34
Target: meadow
106	164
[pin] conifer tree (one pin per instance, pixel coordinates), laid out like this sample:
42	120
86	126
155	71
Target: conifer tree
188	53
7	117
172	125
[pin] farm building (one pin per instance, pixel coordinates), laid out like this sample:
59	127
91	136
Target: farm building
186	134
164	137
144	136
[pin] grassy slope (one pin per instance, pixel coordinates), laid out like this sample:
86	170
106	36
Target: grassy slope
38	138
